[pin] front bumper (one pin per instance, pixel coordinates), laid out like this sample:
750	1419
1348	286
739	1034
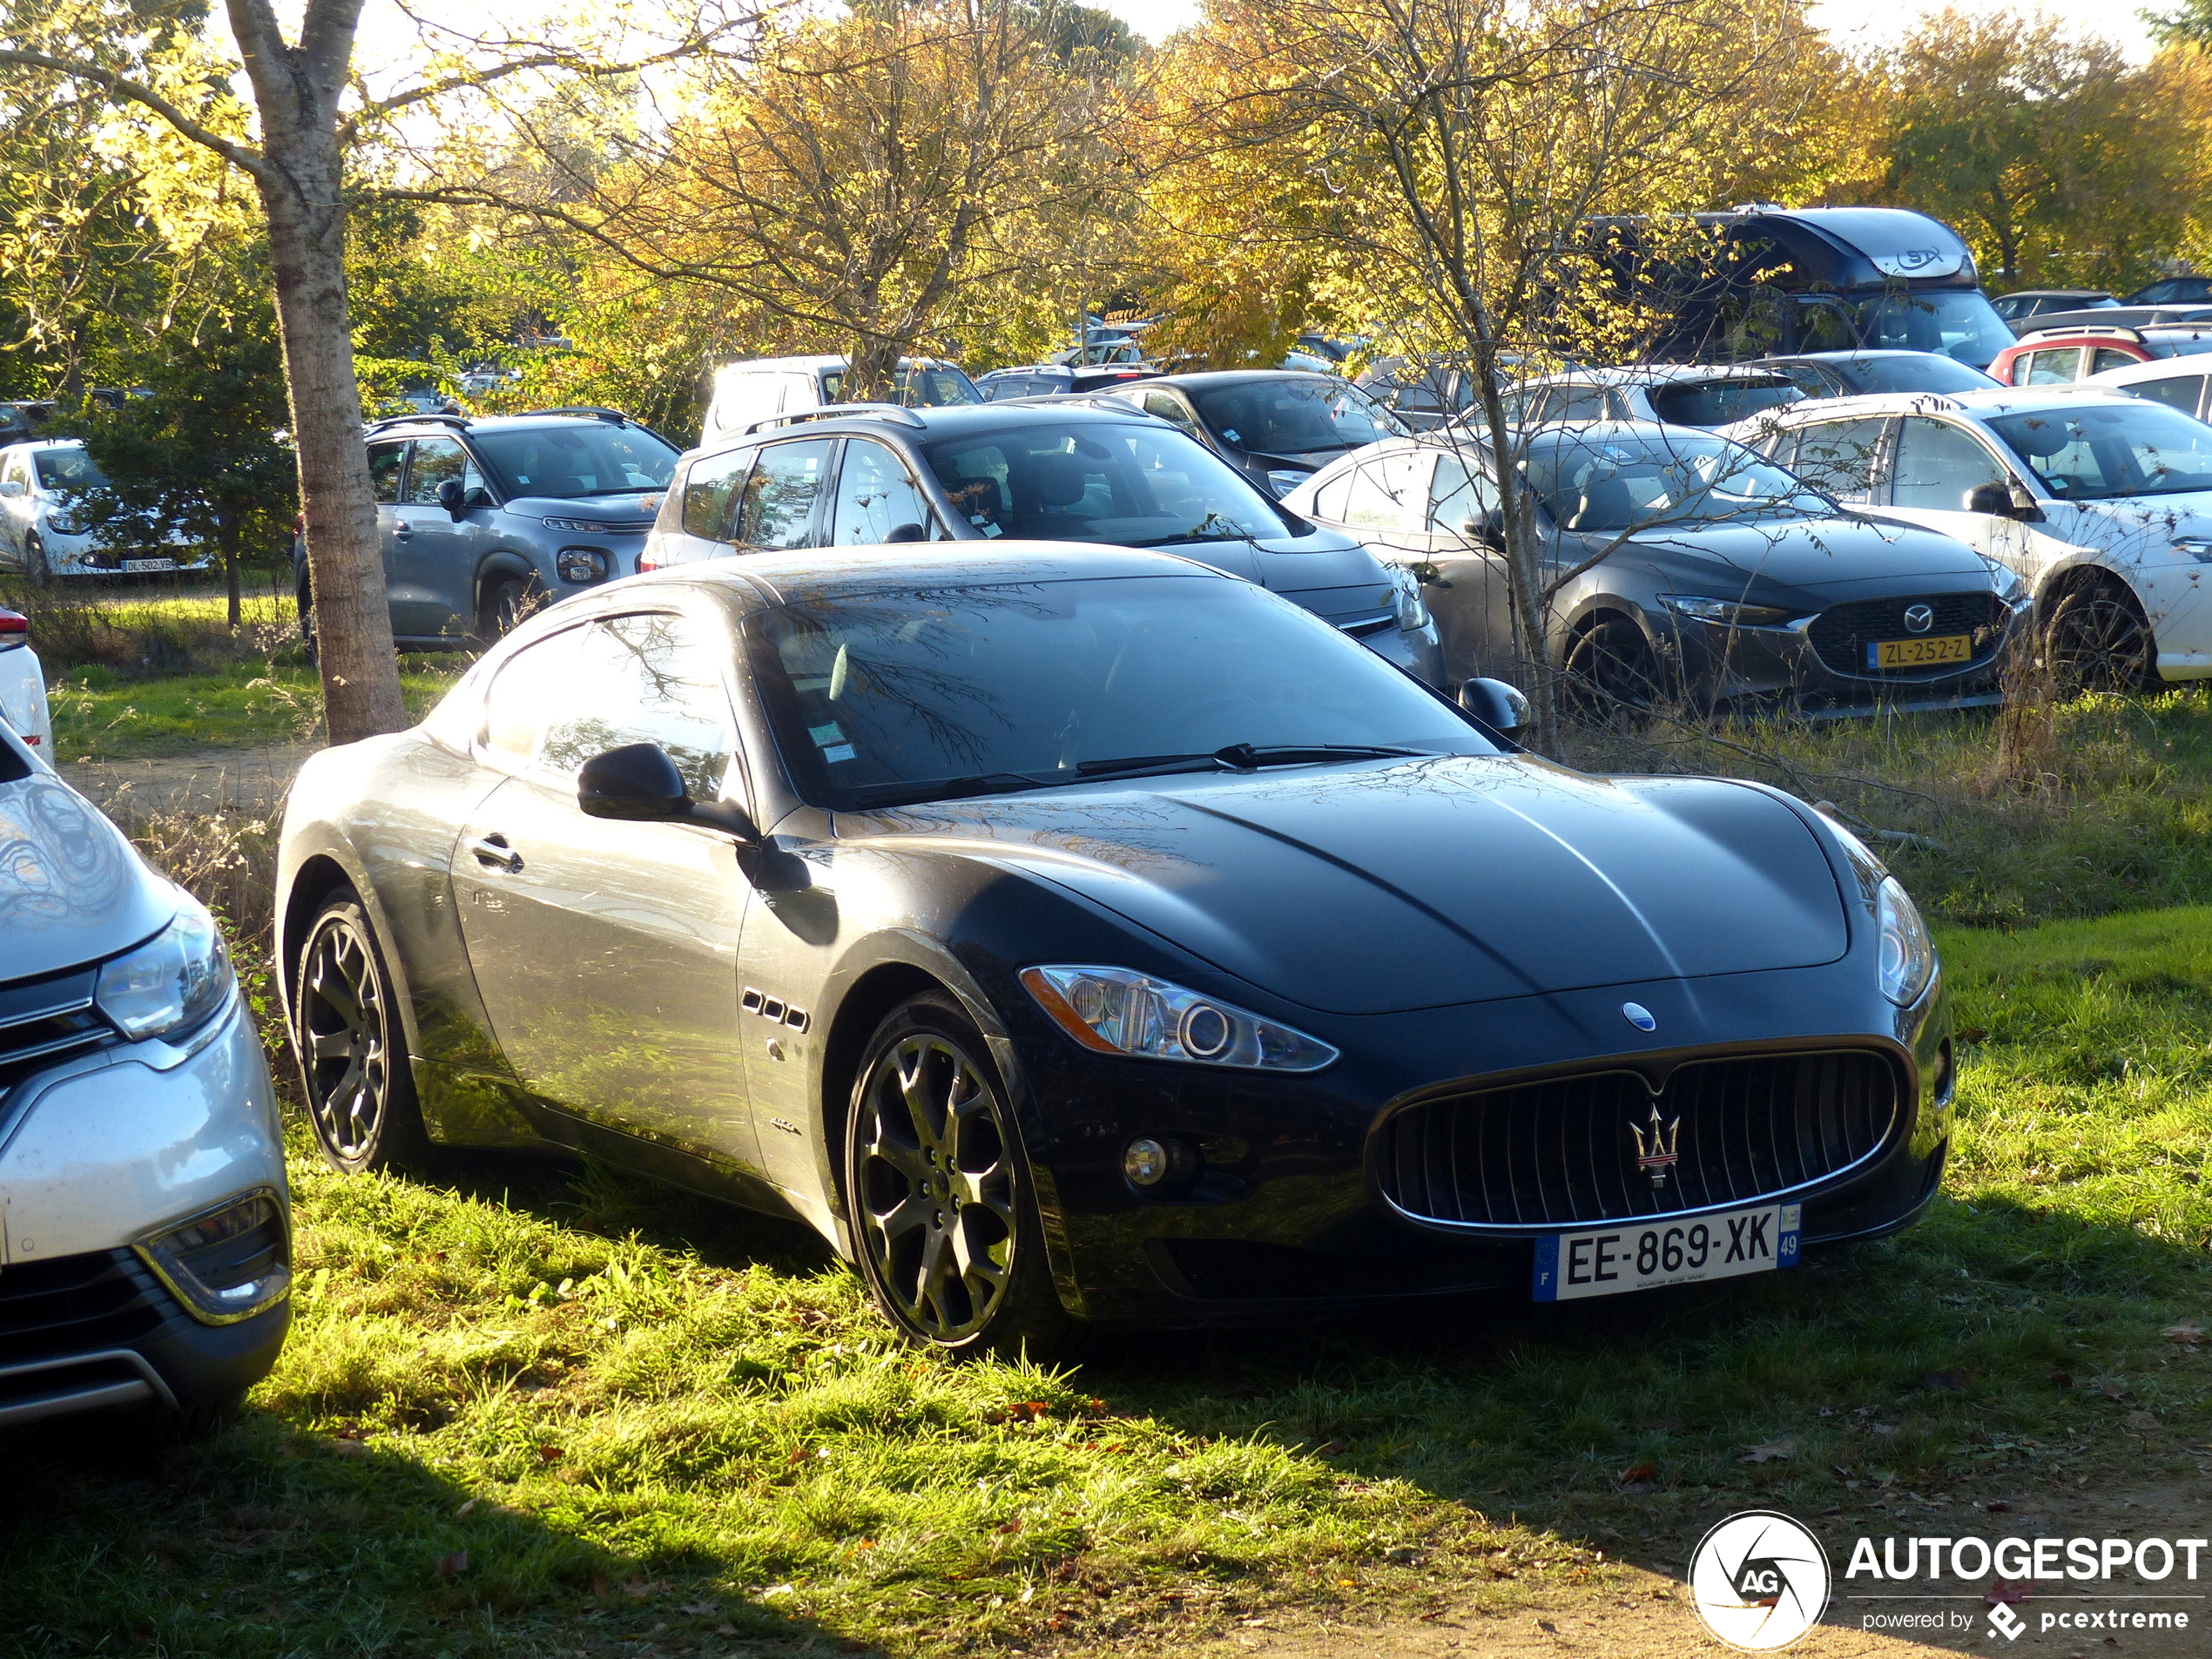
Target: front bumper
1289	1218
96	1154
87	555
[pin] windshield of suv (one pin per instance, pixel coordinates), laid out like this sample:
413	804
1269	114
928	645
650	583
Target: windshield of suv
1958	322
590	458
1595	482
886	698
1720	402
2101	451
1290	417
929	385
1131	486
67	470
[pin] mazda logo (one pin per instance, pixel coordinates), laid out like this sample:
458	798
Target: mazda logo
1919	619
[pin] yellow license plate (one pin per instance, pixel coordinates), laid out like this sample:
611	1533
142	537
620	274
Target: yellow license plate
1923	653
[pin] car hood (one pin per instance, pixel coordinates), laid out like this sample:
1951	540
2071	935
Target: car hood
1807	553
617	513
1389	886
1327	573
72	890
2134	524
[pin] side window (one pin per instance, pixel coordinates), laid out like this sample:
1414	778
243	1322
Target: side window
1839	457
435	461
1328	500
1824	328
777	509
1458	494
1578	403
385	465
2182	392
1806	379
1938	464
2060	367
1391	492
710	488
2106	358
742	399
629	679
1168	409
874	496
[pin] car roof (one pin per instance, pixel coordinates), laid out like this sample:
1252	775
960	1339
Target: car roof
30	445
2053	294
834	572
1654	374
934	420
2158	369
1206	379
800	365
1845	357
1981	402
420	426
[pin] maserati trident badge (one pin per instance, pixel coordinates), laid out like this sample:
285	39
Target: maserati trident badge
1656	1152
1639	1016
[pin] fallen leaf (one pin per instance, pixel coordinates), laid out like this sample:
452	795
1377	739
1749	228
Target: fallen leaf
468	1508
2112	1388
1639	1472
550	1454
2004	1590
2189	1332
1996	1506
454	1565
1972	1033
1012	1524
2143	1422
348	1448
2062	1378
1770	1451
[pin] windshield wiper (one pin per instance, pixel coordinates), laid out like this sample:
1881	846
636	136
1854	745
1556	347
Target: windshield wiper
1245	757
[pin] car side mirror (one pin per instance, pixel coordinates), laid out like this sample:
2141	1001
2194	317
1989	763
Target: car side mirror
1488	530
452	497
12	488
1498	705
1992	499
908	532
638	784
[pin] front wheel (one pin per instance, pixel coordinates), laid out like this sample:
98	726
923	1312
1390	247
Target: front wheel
352	1046
1613	678
34	562
2097	640
506	603
944	1214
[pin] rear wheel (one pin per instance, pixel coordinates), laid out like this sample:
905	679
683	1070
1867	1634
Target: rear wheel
352	1046
2097	640
943	1207
1613	678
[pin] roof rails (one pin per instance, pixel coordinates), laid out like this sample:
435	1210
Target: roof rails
836	411
2102	330
435	418
593	410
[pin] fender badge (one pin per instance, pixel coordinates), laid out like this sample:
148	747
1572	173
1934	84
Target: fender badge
1639	1016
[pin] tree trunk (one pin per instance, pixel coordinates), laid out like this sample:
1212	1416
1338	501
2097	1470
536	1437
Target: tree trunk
301	185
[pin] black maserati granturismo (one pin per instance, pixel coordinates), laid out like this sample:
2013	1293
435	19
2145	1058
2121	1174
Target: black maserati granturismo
1079	937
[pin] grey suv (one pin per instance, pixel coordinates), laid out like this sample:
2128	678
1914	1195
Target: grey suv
483	521
868	474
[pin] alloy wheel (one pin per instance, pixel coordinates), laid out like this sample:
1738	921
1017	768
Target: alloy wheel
1612	677
932	1168
2097	642
342	1025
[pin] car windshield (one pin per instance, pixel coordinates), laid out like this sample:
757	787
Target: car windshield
1722	401
1296	416
1915	372
568	461
1603	482
888	698
918	386
1957	322
65	471
2101	451
1133	485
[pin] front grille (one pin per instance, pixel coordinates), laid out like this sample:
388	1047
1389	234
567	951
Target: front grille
79	1304
1564	1152
1841	634
45	1020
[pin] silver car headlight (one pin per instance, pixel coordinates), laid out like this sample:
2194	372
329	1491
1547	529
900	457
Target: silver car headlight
1113	1010
62	522
175	981
1412	608
1908	957
1723	613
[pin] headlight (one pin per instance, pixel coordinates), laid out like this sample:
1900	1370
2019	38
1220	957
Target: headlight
62	522
580	564
1908	957
1723	612
1412	609
1282	483
1116	1011
174	981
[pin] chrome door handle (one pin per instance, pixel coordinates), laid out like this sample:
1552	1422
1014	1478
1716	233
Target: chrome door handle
402	530
493	851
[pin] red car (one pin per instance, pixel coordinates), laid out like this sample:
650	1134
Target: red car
2059	356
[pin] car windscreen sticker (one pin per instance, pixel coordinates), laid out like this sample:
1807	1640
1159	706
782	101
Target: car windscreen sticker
826	735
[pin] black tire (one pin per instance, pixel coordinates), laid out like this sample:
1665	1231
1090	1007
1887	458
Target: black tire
2098	640
1612	677
34	561
507	603
352	1045
944	1210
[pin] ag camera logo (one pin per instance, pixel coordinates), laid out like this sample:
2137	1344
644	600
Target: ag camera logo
1759	1580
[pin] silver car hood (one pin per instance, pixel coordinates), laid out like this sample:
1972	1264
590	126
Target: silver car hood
72	890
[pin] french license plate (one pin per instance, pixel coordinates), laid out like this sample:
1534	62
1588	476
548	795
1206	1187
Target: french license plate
1606	1261
1920	653
135	566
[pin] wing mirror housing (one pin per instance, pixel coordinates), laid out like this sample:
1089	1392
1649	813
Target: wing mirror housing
1498	705
1488	530
638	784
1994	500
12	488
452	497
906	532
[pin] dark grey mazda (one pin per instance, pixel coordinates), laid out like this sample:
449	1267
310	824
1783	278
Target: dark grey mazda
1080	937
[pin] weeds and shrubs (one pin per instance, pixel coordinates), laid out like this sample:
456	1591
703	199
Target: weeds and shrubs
146	633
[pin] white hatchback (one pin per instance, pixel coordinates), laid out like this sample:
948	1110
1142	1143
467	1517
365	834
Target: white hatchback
44	532
2101	503
22	686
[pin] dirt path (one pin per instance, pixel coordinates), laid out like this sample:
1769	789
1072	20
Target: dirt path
250	780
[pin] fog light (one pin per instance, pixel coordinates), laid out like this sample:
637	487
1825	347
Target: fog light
1160	1165
580	564
226	1263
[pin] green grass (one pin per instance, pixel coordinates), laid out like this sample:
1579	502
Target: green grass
102	714
641	1416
